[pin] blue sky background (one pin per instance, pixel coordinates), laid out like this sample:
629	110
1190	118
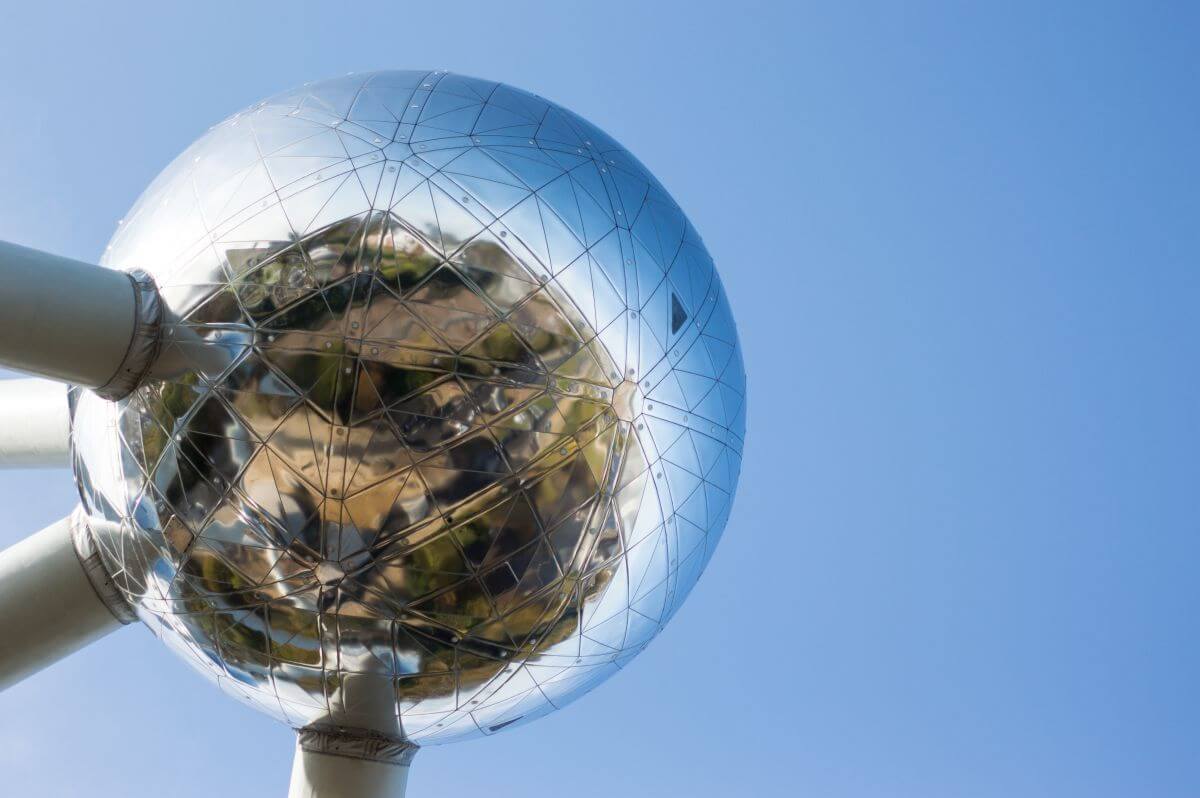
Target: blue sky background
961	243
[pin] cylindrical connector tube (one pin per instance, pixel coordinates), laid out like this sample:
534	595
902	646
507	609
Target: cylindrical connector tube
61	318
333	765
35	425
76	322
50	604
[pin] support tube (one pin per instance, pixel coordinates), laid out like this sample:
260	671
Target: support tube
75	322
35	427
331	765
49	601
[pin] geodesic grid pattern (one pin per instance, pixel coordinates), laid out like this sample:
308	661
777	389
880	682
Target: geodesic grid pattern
456	414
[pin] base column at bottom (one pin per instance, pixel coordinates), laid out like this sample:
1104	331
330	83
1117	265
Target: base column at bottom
335	764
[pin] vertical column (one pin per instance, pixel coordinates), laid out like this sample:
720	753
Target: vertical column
346	764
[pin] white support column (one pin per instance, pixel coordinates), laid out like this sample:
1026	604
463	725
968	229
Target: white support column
50	604
325	776
34	424
347	765
75	322
61	318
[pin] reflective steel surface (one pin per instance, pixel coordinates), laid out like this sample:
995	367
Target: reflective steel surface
459	415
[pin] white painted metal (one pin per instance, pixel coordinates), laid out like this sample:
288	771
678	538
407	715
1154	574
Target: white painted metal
61	318
316	775
48	607
34	424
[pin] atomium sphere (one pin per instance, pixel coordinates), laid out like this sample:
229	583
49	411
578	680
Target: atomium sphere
456	416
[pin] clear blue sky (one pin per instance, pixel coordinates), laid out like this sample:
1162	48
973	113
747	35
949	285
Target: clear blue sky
963	250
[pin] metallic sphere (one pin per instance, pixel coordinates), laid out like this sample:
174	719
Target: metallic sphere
457	411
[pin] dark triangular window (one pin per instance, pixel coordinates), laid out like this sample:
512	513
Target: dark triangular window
679	316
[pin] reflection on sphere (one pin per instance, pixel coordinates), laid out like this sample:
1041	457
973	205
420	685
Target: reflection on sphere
459	414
